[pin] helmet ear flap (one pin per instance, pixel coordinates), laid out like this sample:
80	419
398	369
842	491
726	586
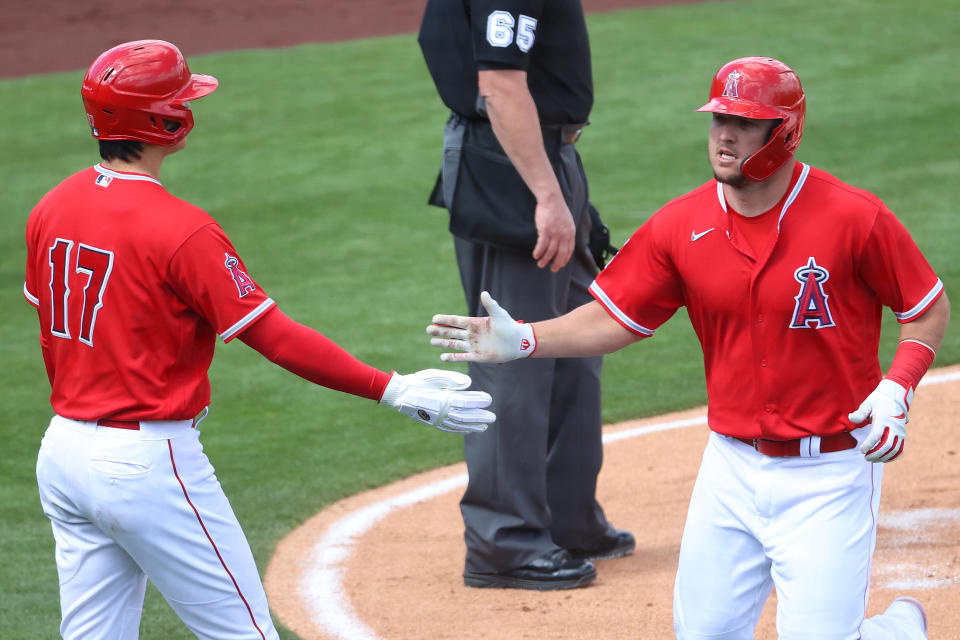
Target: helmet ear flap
770	157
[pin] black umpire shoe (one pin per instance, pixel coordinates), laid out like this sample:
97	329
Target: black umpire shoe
554	570
615	544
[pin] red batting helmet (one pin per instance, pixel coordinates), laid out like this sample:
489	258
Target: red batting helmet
139	91
763	89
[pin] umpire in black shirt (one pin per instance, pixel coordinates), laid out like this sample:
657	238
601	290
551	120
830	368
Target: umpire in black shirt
516	76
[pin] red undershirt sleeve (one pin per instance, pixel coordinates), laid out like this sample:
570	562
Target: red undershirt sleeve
47	358
312	356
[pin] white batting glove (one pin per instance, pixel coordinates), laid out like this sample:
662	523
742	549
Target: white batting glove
496	338
886	407
437	397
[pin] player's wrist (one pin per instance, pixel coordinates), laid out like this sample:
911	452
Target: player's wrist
910	363
526	340
393	390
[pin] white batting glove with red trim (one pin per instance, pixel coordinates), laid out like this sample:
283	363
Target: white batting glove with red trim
887	408
496	338
438	398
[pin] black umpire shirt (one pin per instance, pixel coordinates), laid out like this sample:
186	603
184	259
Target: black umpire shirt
545	38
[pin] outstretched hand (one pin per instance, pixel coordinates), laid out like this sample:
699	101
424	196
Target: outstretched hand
495	338
438	398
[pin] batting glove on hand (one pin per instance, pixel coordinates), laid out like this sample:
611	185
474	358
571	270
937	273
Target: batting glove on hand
496	338
887	409
437	397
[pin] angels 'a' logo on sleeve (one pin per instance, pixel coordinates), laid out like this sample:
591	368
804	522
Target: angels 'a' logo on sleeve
244	283
812	309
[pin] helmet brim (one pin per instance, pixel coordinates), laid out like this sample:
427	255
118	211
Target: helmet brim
742	108
200	85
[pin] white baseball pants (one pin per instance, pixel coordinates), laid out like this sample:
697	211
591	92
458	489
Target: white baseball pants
806	526
130	505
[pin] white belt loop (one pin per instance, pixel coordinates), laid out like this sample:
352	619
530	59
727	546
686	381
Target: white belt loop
87	426
164	429
810	447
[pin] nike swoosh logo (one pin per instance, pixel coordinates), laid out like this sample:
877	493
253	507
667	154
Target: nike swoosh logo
694	236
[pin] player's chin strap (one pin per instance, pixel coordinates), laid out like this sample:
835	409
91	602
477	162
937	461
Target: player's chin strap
888	406
438	398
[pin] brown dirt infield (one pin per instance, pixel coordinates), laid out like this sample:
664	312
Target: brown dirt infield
401	577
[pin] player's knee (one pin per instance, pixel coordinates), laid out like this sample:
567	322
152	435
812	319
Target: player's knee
707	623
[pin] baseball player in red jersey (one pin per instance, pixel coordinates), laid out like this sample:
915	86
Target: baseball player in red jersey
132	285
784	271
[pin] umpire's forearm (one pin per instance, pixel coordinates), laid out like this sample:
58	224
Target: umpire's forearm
513	116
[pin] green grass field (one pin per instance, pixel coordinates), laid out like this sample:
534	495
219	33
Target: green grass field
317	161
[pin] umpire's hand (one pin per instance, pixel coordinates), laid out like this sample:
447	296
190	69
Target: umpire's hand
556	233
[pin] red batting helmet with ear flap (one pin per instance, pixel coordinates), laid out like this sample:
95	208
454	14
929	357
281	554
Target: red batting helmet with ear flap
763	89
140	91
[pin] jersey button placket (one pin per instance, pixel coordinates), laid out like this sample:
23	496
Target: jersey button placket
756	332
759	332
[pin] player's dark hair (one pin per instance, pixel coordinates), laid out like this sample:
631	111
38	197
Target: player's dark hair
126	150
776	123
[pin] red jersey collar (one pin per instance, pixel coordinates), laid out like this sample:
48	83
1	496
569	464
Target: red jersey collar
800	174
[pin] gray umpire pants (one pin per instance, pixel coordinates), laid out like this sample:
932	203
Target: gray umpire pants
533	473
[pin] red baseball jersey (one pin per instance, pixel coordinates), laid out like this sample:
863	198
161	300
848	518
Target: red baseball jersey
790	332
131	286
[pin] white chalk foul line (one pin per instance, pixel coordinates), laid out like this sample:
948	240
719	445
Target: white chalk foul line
907	528
322	584
322	587
940	378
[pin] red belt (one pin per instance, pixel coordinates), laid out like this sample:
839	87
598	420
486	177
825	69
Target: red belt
133	425
792	448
